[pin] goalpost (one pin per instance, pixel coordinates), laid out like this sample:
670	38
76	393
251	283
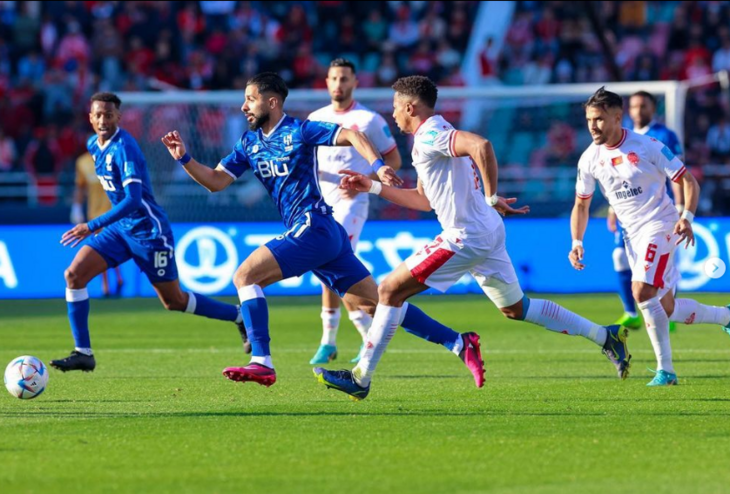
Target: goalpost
538	133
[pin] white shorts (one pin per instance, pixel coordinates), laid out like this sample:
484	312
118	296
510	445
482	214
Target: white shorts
651	256
443	262
351	222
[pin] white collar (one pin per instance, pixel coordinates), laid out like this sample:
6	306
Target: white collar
645	129
275	127
102	147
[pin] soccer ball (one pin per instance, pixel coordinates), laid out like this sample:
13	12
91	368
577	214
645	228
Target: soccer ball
26	377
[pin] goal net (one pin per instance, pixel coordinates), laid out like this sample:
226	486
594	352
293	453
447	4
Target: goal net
538	133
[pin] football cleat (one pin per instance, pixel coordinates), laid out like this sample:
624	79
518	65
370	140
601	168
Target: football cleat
257	373
325	354
342	380
75	361
663	378
471	355
629	321
616	349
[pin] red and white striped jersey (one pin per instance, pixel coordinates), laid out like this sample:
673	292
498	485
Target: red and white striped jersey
632	176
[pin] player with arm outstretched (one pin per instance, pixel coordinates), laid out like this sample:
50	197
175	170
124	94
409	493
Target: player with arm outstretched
631	169
135	228
350	208
472	241
642	107
280	150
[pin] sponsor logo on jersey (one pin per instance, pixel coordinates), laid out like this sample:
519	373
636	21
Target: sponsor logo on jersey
617	160
628	191
633	158
429	137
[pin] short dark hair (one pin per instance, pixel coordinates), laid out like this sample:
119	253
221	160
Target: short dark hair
419	86
645	94
270	82
106	98
342	62
605	99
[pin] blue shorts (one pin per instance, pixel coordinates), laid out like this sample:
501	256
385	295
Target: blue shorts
154	256
319	244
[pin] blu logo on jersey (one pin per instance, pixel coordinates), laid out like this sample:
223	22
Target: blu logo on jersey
270	168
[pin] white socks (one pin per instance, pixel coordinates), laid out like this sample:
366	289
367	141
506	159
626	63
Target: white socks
688	311
657	325
263	361
385	323
362	322
559	319
330	325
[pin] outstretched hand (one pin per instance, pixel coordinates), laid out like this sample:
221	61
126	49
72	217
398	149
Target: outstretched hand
503	207
355	181
75	235
388	176
174	144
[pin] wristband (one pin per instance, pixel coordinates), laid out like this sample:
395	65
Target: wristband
376	187
492	200
377	165
184	159
688	215
577	243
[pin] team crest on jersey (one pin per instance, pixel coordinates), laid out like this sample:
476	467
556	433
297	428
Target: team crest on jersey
288	143
633	158
617	160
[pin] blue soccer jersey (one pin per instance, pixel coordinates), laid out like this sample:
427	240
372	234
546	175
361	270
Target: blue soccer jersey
667	137
285	161
118	163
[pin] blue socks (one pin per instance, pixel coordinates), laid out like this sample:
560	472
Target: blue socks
416	322
624	291
255	314
200	305
78	317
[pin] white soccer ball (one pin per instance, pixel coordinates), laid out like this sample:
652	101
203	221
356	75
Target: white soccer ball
26	377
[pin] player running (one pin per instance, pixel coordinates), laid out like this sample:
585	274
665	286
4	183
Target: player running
280	151
350	209
642	106
472	241
135	228
631	170
89	187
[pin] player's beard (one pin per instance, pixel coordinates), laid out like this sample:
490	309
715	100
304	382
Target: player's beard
258	122
342	97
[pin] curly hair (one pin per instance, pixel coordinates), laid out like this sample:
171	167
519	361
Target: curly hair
604	99
106	98
418	86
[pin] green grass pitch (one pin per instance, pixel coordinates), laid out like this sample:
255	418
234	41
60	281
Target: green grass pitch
158	416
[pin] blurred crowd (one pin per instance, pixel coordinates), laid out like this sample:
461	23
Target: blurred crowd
54	55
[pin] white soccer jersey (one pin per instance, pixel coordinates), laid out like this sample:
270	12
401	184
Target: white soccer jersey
333	159
451	184
632	176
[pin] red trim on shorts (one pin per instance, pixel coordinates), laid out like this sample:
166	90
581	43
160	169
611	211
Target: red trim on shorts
452	148
679	174
429	265
581	196
659	275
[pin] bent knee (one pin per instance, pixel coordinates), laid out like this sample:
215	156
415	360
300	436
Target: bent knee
513	312
73	280
178	304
